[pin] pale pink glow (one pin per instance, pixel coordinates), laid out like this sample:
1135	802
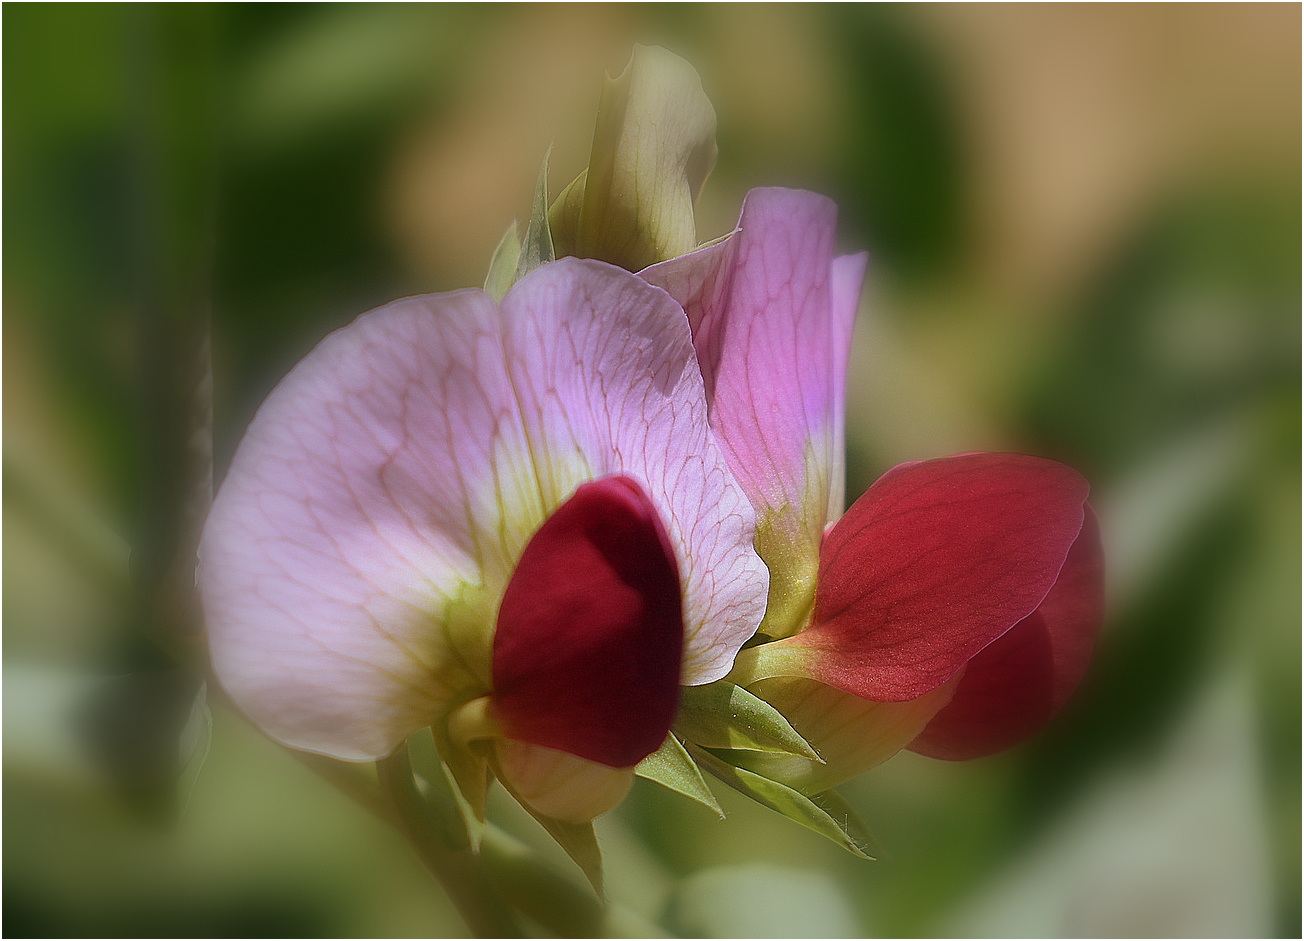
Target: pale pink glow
374	512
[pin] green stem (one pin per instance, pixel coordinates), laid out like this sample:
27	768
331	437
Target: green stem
525	878
441	841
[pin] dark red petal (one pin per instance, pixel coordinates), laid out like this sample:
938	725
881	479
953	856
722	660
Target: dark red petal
590	631
933	563
1017	683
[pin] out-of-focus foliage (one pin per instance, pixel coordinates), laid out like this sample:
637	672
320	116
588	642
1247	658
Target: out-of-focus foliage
1085	230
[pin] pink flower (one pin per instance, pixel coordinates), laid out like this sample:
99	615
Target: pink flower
510	521
526	523
953	608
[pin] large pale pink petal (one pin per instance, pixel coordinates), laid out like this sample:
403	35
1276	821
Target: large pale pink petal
937	560
1013	687
356	519
771	313
373	514
607	380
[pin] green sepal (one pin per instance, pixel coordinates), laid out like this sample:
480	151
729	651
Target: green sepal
537	890
564	216
537	248
723	715
826	814
502	267
835	806
577	839
467	775
671	766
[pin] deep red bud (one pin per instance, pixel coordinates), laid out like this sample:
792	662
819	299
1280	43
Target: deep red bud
590	631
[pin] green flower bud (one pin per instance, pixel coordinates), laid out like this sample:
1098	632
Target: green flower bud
653	148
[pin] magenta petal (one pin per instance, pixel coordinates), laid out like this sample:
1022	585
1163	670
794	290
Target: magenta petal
590	631
932	564
771	312
1018	682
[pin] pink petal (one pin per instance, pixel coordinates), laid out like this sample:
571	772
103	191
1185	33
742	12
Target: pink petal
349	524
937	560
558	784
373	514
590	631
771	312
1013	687
608	383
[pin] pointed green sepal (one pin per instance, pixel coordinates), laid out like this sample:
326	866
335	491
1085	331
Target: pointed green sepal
564	216
450	774
466	773
722	715
844	815
671	766
502	267
831	818
537	248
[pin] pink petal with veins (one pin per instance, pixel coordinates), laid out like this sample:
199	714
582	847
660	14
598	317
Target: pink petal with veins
608	383
772	313
385	490
348	523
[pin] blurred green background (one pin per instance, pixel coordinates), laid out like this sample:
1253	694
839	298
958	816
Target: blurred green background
1085	232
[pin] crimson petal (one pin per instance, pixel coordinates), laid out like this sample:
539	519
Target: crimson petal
933	563
590	631
1017	683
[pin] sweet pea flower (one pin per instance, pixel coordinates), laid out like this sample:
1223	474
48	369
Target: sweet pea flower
953	608
509	521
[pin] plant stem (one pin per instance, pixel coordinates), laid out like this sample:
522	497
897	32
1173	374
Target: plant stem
530	882
441	841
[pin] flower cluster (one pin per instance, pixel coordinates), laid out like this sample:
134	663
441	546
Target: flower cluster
589	523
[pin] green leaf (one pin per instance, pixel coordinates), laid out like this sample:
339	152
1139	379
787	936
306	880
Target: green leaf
827	814
502	267
537	248
722	715
577	839
671	766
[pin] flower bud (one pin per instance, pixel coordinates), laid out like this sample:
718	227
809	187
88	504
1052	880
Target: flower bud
653	148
